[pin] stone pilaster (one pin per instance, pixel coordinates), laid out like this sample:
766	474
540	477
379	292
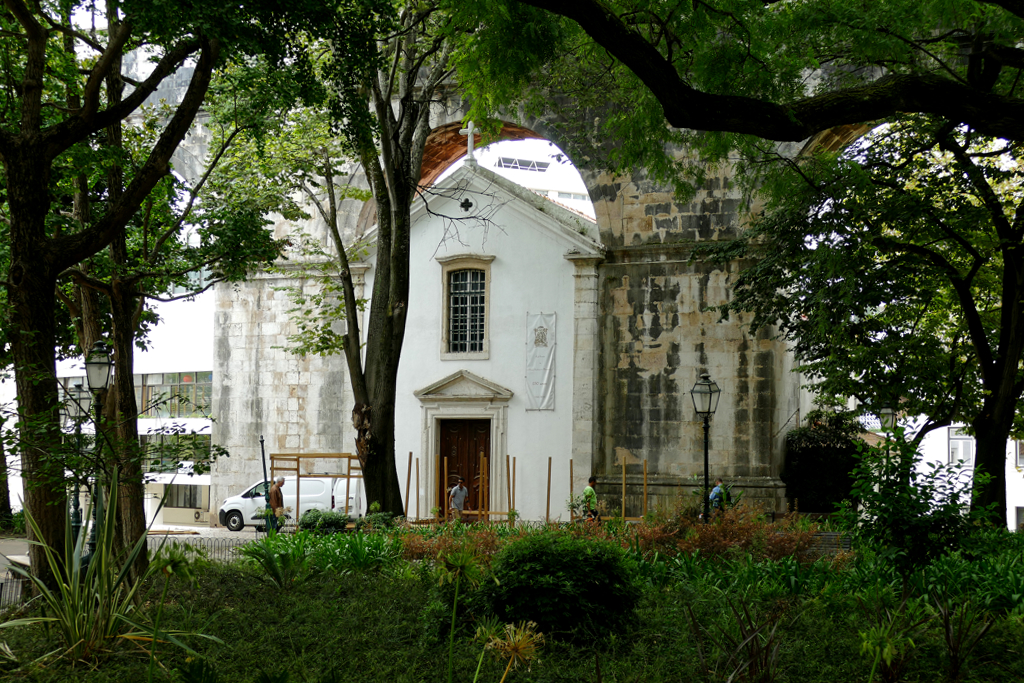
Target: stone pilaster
584	366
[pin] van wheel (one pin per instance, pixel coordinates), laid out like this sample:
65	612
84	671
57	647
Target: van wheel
234	521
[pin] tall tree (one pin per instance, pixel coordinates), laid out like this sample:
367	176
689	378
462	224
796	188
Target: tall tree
897	273
52	102
185	238
388	137
379	102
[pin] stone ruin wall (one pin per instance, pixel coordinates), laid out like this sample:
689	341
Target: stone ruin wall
299	404
657	337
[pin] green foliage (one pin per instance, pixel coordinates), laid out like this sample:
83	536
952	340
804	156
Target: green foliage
324	521
614	70
747	649
820	459
566	584
744	623
197	671
356	553
18	522
911	513
93	607
375	519
895	290
284	559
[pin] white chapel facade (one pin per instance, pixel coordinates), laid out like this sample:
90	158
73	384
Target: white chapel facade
498	364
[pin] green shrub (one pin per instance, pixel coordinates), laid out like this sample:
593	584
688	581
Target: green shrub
324	521
358	552
286	559
566	584
820	459
18	522
910	515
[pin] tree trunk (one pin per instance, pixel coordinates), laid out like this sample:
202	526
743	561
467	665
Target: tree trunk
30	293
131	490
991	432
380	477
5	489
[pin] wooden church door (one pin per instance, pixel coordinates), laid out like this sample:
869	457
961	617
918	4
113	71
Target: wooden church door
462	442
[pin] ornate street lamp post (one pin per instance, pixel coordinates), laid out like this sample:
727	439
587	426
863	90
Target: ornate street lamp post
887	417
74	411
705	394
98	365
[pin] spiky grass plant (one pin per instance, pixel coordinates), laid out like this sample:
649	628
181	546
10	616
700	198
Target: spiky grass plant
91	606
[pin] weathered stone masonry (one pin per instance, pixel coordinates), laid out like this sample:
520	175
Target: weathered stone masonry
638	354
658	335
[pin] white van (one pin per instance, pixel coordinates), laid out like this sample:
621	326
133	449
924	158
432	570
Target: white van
317	494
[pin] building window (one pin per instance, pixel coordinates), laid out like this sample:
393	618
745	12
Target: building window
183	496
961	447
1020	453
169	394
466	310
466	287
174	394
522	164
1020	519
165	452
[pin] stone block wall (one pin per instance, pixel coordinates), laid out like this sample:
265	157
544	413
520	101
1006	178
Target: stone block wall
659	333
298	404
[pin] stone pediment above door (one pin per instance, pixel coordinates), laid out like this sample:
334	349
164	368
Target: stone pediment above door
463	386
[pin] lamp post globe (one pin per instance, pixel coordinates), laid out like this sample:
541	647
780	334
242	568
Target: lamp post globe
97	366
887	417
705	395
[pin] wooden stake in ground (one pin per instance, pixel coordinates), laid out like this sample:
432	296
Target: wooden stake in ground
408	479
508	488
645	487
547	512
623	488
444	490
513	482
572	517
418	513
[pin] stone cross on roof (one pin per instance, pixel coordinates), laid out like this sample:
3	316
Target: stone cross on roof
468	132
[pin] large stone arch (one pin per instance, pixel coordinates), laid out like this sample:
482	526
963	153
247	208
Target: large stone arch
658	331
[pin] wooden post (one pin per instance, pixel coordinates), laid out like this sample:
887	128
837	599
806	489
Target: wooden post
547	511
508	483
645	487
408	479
623	488
417	488
444	489
513	482
571	515
348	485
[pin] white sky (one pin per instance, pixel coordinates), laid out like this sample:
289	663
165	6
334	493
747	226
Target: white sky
560	176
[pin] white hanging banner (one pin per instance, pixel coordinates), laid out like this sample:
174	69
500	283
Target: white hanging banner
540	361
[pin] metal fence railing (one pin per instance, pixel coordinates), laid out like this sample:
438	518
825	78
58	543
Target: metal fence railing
11	589
212	548
14	589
